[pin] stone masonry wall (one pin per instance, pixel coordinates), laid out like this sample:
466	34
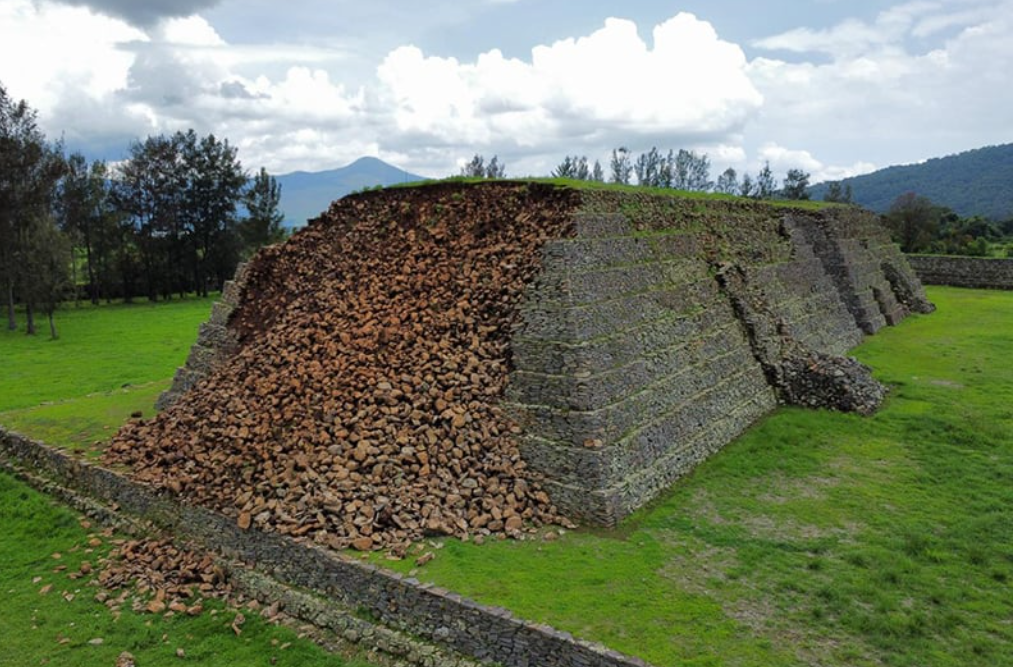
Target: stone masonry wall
977	272
215	342
634	360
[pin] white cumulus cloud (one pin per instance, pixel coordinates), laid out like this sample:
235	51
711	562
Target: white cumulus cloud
610	85
872	85
783	159
189	31
47	49
832	100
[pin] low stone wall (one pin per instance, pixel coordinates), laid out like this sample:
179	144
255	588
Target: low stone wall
979	272
488	634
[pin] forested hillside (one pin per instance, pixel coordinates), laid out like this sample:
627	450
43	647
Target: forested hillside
975	182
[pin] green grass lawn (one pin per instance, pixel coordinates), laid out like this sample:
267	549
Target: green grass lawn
109	361
815	539
100	348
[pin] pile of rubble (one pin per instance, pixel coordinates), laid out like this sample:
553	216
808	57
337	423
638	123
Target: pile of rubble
800	376
361	408
161	577
146	575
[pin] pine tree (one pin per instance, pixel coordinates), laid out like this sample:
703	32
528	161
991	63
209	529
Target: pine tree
86	215
214	187
649	168
263	224
564	169
838	192
747	187
30	168
699	173
766	185
474	168
621	166
494	169
574	167
47	265
796	185
727	182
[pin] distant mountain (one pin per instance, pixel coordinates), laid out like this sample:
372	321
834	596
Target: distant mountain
306	195
976	182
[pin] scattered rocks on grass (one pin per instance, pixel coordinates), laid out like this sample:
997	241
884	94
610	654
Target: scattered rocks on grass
157	577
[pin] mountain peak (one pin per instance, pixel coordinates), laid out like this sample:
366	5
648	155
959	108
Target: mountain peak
305	195
367	160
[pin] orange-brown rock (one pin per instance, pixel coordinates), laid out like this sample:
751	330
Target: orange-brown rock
166	576
363	401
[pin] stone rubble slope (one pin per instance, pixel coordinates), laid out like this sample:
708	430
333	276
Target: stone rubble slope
361	406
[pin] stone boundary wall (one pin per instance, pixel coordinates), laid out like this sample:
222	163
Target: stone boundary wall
487	634
979	272
345	627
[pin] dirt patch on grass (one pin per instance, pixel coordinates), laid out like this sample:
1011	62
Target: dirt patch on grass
784	489
693	571
946	383
761	525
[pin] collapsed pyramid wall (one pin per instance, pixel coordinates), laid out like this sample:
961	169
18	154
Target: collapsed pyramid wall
648	331
359	406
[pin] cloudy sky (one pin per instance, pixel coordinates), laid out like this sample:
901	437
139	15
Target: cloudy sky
836	87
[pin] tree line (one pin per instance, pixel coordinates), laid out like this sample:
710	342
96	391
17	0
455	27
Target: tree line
919	226
175	217
914	222
680	170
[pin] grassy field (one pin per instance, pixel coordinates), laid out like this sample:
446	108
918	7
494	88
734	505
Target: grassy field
50	619
816	538
108	362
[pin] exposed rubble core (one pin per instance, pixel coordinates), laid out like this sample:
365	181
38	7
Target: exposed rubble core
361	408
800	376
